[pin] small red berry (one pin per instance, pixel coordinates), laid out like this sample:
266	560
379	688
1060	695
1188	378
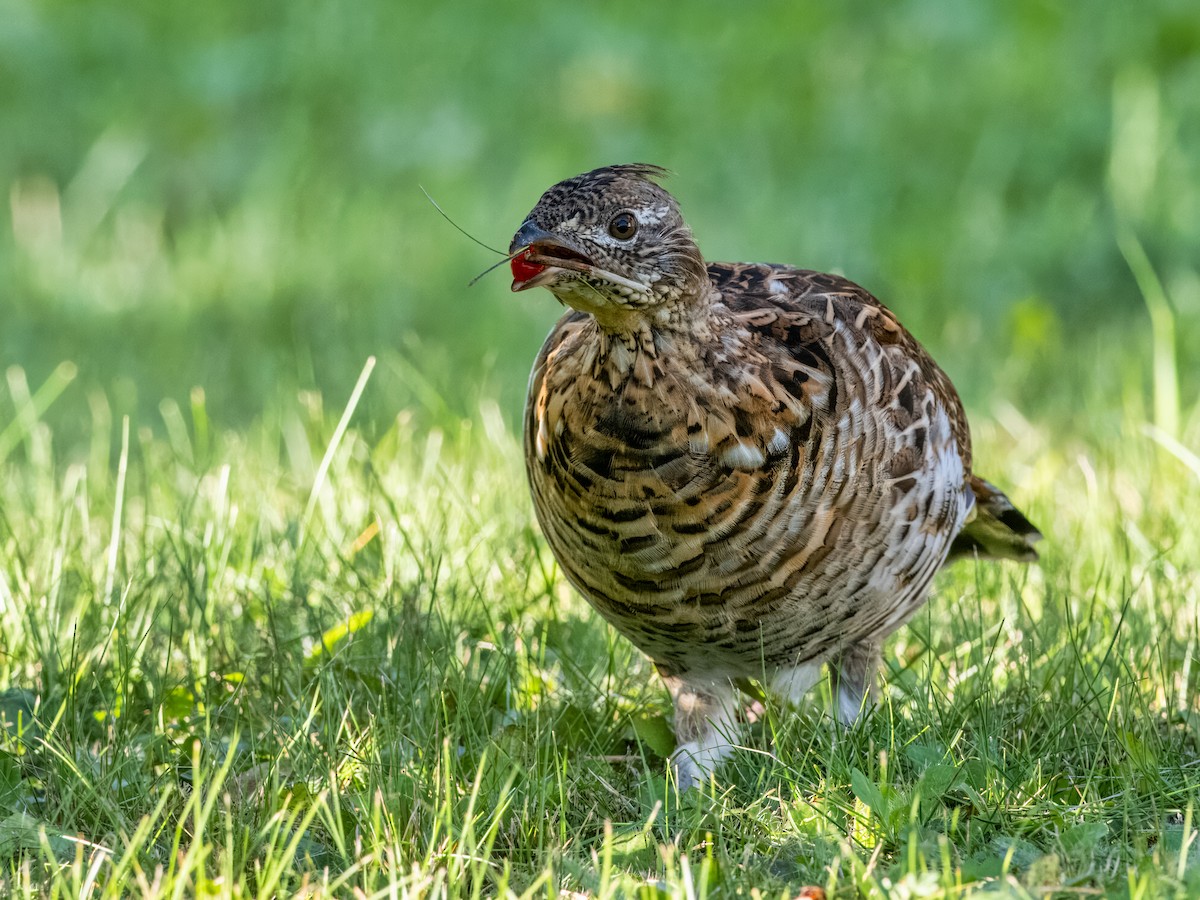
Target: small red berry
522	269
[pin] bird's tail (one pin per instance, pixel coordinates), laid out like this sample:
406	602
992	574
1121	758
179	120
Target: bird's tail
996	529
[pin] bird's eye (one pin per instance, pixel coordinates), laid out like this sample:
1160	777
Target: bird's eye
623	226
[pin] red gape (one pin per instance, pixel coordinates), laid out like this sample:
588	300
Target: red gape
522	269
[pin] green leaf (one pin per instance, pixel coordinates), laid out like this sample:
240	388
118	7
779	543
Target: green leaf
935	781
11	786
632	844
1082	839
654	733
21	831
1016	852
869	793
178	703
338	633
925	755
298	795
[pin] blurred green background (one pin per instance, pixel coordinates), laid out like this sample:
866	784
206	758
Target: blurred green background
225	194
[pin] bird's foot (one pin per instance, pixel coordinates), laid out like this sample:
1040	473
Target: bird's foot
695	762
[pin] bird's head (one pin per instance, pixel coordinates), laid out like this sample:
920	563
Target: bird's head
610	242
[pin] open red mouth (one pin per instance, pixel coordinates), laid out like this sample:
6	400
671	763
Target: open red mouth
533	260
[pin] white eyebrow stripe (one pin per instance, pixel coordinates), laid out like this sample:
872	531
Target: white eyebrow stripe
652	215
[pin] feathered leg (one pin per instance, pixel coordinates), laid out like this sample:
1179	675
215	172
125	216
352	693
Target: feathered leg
853	677
705	724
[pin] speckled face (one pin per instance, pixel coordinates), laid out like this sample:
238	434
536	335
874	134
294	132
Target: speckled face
607	242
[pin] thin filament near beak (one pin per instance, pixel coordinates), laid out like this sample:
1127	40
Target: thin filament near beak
507	259
456	226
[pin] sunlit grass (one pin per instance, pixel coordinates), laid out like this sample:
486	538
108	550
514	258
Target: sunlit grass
301	658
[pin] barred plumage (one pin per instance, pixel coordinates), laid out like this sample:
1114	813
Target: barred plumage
749	470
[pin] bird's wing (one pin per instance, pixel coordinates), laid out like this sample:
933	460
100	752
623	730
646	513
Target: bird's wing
799	308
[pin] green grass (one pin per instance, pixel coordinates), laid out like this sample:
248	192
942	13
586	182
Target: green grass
260	639
232	668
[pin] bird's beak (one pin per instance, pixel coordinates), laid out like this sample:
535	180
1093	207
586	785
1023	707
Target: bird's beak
538	256
529	233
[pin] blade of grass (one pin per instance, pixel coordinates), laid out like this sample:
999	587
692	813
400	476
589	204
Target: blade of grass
334	442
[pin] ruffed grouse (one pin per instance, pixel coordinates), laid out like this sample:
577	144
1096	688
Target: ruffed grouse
748	469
